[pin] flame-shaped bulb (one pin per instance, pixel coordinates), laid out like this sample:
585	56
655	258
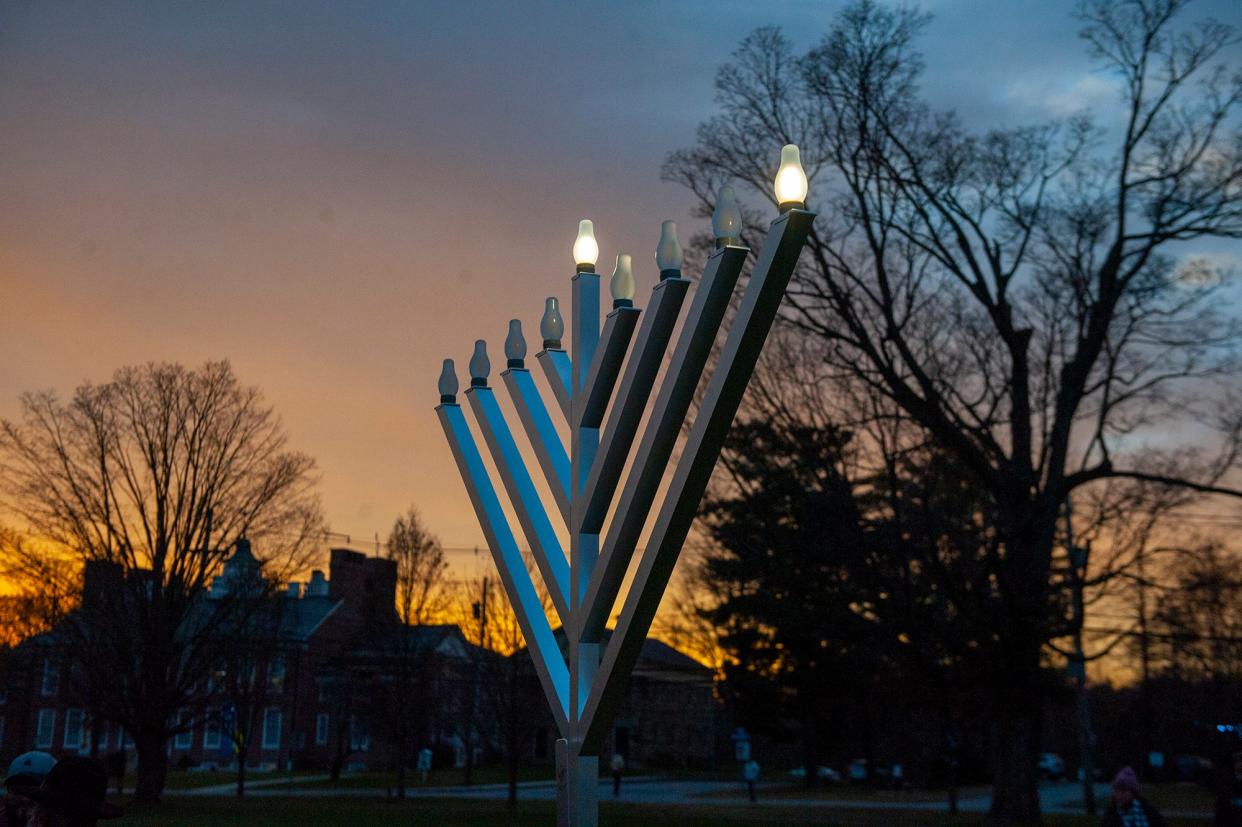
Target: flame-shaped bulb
727	218
515	345
586	250
622	282
551	326
791	183
669	256
480	365
448	383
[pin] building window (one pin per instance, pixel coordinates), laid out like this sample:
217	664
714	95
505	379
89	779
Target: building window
271	728
45	729
185	738
211	734
73	729
325	691
276	674
103	735
321	728
359	740
51	678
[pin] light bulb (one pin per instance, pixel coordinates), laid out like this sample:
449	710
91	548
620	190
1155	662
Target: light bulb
586	251
791	184
515	345
727	218
448	383
551	326
622	283
480	365
669	256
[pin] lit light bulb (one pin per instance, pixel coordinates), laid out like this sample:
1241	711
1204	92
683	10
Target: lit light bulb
586	251
551	326
480	365
669	256
515	345
727	218
791	184
448	383
622	283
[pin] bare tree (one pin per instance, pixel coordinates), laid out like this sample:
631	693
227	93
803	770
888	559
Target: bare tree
421	598
1012	293
156	474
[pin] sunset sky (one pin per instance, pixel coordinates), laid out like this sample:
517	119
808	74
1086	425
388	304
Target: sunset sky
335	196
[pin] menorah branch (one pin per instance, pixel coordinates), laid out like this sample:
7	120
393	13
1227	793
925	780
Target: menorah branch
734	366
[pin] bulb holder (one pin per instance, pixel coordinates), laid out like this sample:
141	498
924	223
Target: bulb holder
478	381
448	399
786	206
728	241
516	364
586	268
670	274
622	303
552	344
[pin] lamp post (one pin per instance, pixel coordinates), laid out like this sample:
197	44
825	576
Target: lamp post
584	684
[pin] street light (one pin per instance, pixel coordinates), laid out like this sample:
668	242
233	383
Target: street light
584	685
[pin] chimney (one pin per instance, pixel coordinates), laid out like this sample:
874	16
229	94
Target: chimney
318	585
295	589
101	581
367	585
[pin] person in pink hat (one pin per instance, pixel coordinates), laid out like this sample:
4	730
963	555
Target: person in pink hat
1128	808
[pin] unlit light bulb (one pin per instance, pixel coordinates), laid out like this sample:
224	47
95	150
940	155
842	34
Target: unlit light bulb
791	183
622	282
669	256
551	326
515	345
448	383
586	251
727	218
480	365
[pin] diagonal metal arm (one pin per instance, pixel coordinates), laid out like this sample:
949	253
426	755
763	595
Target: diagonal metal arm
549	664
755	315
606	365
636	384
707	309
558	370
549	449
549	556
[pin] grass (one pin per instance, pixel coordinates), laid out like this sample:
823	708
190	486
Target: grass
350	812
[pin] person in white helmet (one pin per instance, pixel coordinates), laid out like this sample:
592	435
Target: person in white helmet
26	770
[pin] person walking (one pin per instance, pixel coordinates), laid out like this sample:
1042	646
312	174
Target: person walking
618	766
1229	798
26	770
71	795
750	772
1128	808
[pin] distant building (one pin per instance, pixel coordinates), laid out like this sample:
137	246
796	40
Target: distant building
339	677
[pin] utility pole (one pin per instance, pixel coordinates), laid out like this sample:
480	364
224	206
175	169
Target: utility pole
1145	661
480	611
1078	559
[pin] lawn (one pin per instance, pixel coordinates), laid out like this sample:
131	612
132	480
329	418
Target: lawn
346	812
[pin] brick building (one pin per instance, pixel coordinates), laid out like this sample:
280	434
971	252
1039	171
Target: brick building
336	681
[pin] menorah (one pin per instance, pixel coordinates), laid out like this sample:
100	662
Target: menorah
585	684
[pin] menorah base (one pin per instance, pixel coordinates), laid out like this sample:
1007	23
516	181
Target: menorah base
577	788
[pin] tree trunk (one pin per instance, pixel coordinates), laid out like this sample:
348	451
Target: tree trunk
152	766
1018	718
241	773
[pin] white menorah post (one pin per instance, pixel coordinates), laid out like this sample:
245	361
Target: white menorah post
585	685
